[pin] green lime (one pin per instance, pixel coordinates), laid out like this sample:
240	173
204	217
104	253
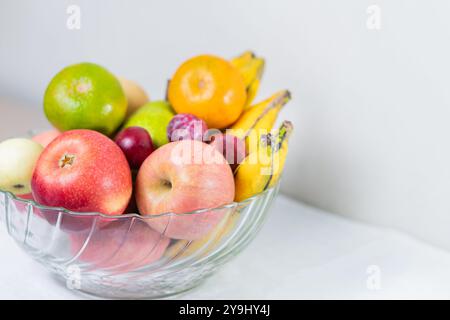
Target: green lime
85	96
154	117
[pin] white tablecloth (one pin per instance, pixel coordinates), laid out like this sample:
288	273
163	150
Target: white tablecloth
301	253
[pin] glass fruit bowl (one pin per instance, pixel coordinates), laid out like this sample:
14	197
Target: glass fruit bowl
122	256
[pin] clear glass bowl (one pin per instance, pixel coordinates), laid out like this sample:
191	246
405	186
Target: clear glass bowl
122	256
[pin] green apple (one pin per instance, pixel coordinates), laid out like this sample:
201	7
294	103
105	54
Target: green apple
154	117
17	160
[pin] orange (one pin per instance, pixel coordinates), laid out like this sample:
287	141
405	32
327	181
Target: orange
210	88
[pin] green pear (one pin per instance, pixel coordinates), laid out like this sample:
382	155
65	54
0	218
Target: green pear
154	117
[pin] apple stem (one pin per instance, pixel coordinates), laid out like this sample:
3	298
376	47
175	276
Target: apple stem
66	160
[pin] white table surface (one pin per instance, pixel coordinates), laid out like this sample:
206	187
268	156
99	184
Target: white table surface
301	253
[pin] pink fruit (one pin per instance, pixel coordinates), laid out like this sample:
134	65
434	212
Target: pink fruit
21	206
232	148
136	144
122	245
185	126
44	138
181	177
83	171
27	196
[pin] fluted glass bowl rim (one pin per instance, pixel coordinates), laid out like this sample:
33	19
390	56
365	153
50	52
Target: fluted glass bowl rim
230	205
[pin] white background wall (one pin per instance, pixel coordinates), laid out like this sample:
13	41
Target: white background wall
371	108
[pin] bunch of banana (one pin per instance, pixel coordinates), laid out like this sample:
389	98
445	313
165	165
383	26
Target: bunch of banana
259	118
252	69
262	168
266	151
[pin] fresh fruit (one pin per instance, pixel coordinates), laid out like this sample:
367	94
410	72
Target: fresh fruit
85	96
136	96
262	168
44	138
17	159
181	177
122	245
232	148
84	171
210	88
252	68
185	126
260	118
27	196
154	117
136	144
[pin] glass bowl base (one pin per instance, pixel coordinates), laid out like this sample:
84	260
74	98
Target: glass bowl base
94	291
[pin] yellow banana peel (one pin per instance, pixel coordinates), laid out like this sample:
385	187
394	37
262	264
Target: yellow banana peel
262	168
259	119
252	69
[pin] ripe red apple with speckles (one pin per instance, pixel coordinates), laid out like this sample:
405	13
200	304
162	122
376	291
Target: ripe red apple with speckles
83	171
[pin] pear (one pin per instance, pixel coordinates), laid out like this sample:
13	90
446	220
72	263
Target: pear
154	117
136	95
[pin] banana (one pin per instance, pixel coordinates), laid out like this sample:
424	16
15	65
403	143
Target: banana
252	69
262	168
259	118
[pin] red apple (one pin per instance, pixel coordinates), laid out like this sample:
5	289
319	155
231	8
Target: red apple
180	177
44	138
83	171
122	245
136	144
232	148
